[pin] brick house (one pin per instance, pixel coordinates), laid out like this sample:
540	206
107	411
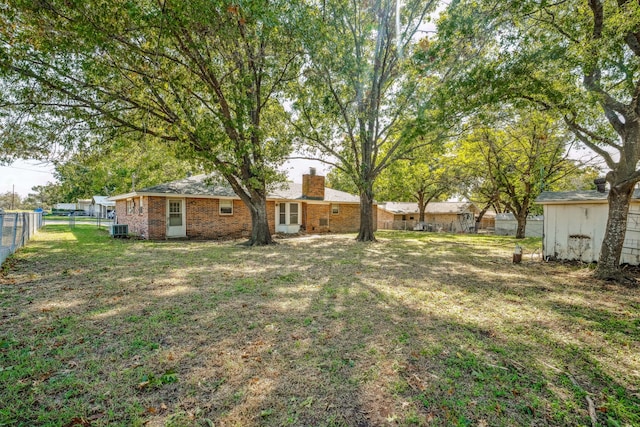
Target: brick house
439	216
201	207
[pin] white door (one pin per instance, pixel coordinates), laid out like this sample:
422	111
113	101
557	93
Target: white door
176	226
288	218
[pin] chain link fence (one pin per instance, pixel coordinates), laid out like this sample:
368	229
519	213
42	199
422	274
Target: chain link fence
15	231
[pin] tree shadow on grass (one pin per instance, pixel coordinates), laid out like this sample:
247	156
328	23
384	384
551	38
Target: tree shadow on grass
327	332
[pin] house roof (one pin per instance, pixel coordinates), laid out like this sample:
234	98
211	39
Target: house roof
432	207
293	191
208	186
586	196
103	200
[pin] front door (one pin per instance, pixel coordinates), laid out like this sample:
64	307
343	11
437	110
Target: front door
176	226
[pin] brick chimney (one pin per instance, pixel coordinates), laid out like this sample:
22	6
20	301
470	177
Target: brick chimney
312	185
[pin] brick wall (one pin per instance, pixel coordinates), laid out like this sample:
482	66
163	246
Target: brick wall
385	218
202	216
348	219
138	220
203	220
157	207
312	213
313	187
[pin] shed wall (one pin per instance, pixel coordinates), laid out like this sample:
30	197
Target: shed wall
576	232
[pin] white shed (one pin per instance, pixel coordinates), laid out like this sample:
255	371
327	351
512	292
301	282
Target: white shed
575	222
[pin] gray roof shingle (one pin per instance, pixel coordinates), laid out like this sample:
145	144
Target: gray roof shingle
207	185
204	185
576	196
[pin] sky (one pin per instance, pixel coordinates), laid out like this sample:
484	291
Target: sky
25	174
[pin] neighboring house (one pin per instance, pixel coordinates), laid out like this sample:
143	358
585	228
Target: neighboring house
84	205
65	206
101	206
506	224
439	216
575	223
198	207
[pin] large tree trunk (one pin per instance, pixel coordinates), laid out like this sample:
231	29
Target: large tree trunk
366	217
522	225
260	233
480	216
422	206
609	261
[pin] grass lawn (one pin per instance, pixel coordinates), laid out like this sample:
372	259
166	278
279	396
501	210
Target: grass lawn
418	329
77	219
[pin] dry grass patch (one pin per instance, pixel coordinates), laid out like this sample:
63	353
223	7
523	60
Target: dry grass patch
418	329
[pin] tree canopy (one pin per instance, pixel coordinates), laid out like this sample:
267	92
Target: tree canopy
359	105
578	58
206	78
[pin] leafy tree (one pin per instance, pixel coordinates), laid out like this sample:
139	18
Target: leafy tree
118	168
358	102
517	159
476	183
582	179
337	180
428	176
10	201
204	77
45	196
579	58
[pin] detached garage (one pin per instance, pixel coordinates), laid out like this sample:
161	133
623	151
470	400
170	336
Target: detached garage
575	222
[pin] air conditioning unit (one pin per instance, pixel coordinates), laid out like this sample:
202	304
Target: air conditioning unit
119	230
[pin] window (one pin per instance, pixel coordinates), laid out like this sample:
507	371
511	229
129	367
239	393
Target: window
282	214
130	206
140	205
324	222
226	207
288	213
335	209
293	213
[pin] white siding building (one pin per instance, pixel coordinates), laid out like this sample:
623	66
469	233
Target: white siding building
575	222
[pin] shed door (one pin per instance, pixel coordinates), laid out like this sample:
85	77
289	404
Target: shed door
176	226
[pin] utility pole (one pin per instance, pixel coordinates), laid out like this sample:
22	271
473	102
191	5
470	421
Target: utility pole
13	196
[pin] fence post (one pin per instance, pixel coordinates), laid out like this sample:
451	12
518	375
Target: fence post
26	228
15	232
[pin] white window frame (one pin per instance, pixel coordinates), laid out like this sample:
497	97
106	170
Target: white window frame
297	214
229	204
286	212
131	206
335	209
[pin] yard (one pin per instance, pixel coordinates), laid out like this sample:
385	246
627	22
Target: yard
418	329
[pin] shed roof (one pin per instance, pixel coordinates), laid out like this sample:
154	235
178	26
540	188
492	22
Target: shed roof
212	186
586	196
432	208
